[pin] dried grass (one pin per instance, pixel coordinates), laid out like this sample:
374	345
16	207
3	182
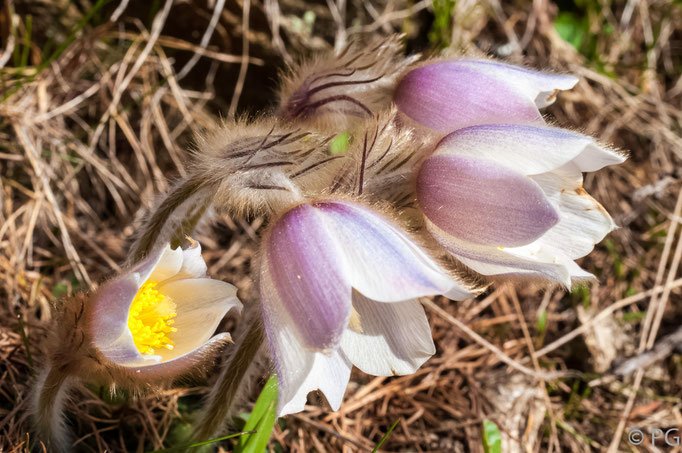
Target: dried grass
87	141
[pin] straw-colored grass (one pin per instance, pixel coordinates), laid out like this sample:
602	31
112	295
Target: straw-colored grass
99	101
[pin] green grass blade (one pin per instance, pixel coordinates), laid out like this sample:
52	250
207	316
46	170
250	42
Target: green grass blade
24	338
383	439
199	444
492	439
27	41
260	415
57	53
256	443
542	323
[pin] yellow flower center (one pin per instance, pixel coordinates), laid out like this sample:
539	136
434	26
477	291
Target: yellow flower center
150	318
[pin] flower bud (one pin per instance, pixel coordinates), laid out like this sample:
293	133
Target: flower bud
454	94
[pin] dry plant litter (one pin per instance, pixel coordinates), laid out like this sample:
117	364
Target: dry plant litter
99	104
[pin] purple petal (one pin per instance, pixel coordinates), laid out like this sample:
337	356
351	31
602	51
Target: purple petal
450	95
380	261
108	315
482	202
301	271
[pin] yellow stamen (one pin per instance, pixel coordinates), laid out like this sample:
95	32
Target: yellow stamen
355	323
150	318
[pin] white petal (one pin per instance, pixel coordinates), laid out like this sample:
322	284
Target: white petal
538	86
201	303
380	261
145	267
532	260
583	221
577	273
529	150
300	370
193	265
329	373
595	157
169	264
387	339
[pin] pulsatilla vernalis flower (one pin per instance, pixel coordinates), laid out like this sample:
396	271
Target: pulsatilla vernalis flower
448	95
339	285
508	199
159	317
146	326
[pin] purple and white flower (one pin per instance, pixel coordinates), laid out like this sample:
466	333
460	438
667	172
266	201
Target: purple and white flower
455	94
507	199
339	285
158	318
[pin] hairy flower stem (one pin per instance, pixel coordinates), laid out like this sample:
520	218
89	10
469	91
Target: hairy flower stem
233	374
48	409
153	227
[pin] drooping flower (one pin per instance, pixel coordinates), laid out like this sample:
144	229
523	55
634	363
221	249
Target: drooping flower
339	285
508	199
158	318
449	95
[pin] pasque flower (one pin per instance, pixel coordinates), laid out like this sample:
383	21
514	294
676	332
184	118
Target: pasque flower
508	199
146	326
448	95
159	317
339	285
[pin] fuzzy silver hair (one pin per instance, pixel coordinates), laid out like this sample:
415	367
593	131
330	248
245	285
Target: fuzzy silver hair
335	90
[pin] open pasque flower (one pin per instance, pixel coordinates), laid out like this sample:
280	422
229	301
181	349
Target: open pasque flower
159	317
339	285
148	325
508	199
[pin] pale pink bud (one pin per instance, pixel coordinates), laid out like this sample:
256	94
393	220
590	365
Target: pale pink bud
450	95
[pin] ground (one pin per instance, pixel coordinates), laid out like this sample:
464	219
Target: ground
97	117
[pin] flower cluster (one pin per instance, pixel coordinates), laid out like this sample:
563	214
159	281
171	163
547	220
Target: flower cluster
380	176
447	159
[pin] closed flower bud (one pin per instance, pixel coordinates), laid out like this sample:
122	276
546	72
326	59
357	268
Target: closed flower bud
338	89
448	95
